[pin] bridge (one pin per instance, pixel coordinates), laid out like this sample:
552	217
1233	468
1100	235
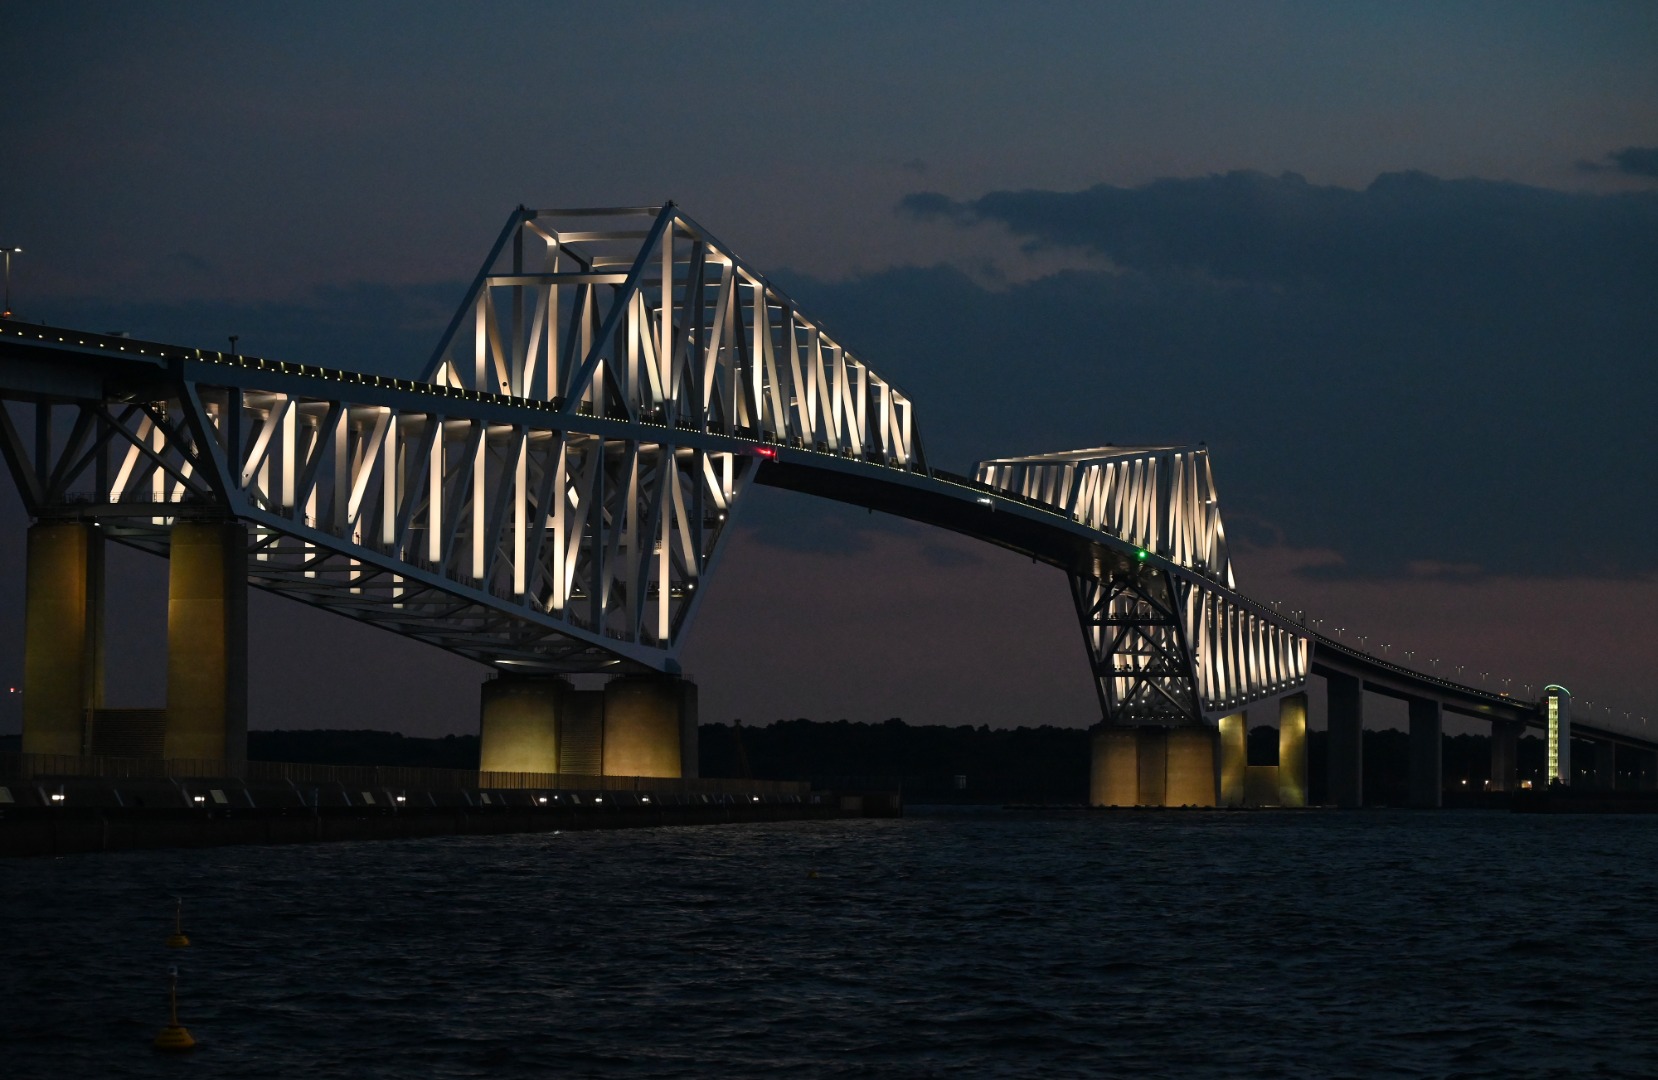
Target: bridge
551	495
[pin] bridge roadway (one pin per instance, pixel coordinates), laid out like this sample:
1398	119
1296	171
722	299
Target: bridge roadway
64	364
1047	534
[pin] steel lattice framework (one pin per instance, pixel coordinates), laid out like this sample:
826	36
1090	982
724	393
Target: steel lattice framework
550	497
1166	647
552	493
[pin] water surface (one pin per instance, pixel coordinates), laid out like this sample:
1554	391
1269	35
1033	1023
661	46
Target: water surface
961	943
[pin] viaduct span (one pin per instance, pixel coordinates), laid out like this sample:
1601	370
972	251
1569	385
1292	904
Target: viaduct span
551	495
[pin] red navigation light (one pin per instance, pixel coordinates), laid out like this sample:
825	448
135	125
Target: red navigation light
765	451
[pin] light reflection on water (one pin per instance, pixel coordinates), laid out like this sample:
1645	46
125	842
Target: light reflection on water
953	943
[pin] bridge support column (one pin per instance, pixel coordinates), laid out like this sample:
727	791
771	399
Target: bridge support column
581	733
1427	763
63	636
1189	773
207	643
1345	745
1603	766
1153	758
1234	759
1114	771
1152	766
1292	750
1505	755
518	724
650	726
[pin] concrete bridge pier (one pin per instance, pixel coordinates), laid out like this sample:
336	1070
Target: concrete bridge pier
1345	746
206	718
1603	766
1427	764
650	726
518	728
1505	755
207	643
1152	766
1114	767
63	636
1292	750
1234	760
638	725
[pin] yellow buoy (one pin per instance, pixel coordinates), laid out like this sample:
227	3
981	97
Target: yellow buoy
173	1038
177	940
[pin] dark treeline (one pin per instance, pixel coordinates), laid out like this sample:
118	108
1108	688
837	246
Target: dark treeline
1038	765
1044	764
318	747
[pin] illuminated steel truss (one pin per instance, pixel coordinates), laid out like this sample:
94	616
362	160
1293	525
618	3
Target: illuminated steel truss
1167	646
640	315
551	500
552	494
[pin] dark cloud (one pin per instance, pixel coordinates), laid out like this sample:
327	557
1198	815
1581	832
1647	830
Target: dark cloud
1427	372
1454	372
1406	234
1631	161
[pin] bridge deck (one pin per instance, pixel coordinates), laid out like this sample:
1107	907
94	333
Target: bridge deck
56	365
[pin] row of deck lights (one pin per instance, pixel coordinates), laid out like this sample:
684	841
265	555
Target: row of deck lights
362	379
1410	655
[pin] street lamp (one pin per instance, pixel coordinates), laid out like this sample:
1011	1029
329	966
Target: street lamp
9	252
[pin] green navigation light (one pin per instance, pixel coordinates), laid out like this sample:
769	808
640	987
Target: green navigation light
1141	554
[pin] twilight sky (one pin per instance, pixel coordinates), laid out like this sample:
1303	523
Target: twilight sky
1395	264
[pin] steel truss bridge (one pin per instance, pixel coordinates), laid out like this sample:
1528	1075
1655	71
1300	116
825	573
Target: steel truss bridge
551	494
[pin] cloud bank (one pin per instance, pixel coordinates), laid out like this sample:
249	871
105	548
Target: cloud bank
1424	371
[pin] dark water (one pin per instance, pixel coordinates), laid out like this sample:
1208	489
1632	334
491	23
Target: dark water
960	944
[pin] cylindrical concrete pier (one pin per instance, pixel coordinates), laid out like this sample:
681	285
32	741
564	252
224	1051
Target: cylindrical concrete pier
1292	750
63	636
581	733
1234	758
519	722
1114	773
642	725
1190	771
1153	762
207	642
